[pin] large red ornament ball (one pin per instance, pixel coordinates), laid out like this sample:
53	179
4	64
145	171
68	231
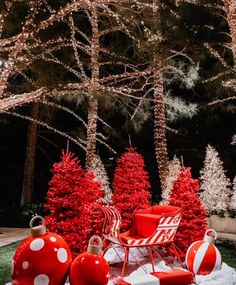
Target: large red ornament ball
89	268
41	259
203	257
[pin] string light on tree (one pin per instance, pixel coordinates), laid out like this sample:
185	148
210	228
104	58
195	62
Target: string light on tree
233	198
214	183
174	168
3	64
101	175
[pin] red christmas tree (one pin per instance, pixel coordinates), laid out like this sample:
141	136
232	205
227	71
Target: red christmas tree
185	195
131	186
71	201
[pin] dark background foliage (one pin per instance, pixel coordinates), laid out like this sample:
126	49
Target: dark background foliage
213	125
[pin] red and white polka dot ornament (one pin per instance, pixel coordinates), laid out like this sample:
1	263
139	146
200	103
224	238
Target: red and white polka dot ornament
90	268
203	257
41	259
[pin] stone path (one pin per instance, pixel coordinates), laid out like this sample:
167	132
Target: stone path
10	235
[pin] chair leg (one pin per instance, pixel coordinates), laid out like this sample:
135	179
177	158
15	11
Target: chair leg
117	254
126	259
179	250
105	250
158	252
176	254
105	246
152	259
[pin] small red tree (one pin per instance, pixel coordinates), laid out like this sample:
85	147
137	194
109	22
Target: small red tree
131	186
71	202
193	223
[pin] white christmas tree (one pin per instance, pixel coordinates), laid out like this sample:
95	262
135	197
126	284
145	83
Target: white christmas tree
174	168
101	176
214	183
233	198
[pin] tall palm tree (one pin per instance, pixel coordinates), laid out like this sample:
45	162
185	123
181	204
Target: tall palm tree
98	66
160	124
230	10
94	93
29	167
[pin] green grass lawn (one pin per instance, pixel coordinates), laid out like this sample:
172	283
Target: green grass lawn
228	255
6	253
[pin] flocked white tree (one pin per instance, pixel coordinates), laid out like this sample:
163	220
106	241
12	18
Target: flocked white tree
233	198
214	183
101	175
174	168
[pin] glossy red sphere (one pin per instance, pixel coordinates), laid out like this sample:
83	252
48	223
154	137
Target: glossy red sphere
41	260
203	258
89	269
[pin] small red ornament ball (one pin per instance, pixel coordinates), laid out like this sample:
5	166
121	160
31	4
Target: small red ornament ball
203	257
89	268
41	259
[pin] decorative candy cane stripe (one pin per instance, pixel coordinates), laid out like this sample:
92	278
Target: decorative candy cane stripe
187	259
202	258
112	221
201	252
218	260
165	232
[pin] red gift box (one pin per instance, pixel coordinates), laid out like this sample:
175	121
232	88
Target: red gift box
147	220
146	224
173	277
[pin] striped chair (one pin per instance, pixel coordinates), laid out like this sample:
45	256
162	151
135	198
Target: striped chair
162	236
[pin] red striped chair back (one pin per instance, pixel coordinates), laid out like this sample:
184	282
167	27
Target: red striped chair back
167	228
112	222
164	233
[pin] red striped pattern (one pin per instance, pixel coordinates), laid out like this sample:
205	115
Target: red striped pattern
164	233
112	221
203	258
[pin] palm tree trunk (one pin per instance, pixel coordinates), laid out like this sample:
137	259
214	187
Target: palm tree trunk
29	168
230	9
91	131
160	126
93	99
